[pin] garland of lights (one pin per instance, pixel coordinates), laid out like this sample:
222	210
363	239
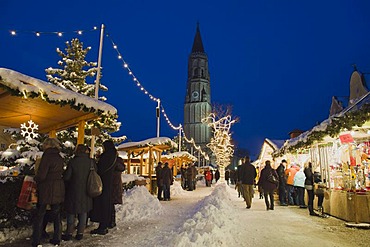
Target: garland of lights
335	126
58	33
71	103
198	148
142	88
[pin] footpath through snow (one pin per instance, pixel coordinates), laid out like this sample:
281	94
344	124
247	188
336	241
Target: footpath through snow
213	216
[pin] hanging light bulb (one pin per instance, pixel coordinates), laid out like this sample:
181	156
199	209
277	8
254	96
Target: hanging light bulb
60	34
13	32
119	57
38	34
114	46
79	32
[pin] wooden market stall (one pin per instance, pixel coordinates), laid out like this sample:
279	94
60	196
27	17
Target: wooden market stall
177	159
154	147
23	98
339	149
268	148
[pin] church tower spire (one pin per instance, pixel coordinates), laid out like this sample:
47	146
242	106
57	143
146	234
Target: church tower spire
197	44
198	94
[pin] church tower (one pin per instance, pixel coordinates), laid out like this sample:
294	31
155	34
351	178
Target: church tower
198	94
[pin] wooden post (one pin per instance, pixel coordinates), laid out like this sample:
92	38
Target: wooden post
150	169
81	132
141	164
175	167
128	162
53	134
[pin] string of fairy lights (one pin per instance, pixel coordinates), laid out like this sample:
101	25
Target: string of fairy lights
142	88
58	33
126	66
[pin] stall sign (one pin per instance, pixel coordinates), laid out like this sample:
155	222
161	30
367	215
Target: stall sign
346	138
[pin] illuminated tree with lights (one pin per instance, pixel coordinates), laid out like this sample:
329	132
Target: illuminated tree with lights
73	74
220	144
74	69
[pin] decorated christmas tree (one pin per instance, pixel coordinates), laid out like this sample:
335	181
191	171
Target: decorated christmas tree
73	74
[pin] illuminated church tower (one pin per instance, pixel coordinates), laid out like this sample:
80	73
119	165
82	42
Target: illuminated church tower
198	94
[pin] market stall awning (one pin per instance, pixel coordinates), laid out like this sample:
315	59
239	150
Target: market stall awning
23	98
183	156
157	143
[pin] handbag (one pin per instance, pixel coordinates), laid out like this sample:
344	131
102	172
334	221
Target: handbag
272	179
94	183
28	197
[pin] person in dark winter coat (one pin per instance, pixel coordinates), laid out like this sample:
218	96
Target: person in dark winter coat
51	191
246	175
102	205
319	191
77	202
194	173
217	175
282	183
309	187
267	186
227	176
167	181
158	172
117	189
190	176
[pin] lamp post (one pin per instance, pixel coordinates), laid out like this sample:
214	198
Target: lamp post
158	115
97	82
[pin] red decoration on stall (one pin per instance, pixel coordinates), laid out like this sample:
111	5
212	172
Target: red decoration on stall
346	138
352	161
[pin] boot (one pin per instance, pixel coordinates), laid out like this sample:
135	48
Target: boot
320	210
312	213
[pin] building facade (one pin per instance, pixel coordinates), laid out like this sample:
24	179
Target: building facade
198	94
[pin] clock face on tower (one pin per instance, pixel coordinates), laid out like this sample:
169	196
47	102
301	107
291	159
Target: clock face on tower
195	95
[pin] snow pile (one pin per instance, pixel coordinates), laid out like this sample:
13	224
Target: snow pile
176	189
212	224
138	204
9	235
127	178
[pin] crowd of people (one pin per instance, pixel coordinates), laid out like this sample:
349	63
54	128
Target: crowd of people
290	182
65	188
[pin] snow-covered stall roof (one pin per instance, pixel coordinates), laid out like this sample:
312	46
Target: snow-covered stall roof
124	155
181	155
23	97
157	141
304	137
275	144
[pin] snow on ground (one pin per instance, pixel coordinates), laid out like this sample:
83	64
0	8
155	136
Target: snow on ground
213	216
176	189
138	204
212	223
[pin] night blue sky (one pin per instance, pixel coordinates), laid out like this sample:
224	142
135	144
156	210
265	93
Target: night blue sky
277	62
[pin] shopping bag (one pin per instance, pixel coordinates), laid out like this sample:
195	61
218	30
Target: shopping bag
27	197
272	179
94	183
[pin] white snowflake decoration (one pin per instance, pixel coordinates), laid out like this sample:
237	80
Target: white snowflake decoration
29	131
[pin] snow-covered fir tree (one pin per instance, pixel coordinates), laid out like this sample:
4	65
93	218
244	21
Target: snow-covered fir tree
73	74
74	70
